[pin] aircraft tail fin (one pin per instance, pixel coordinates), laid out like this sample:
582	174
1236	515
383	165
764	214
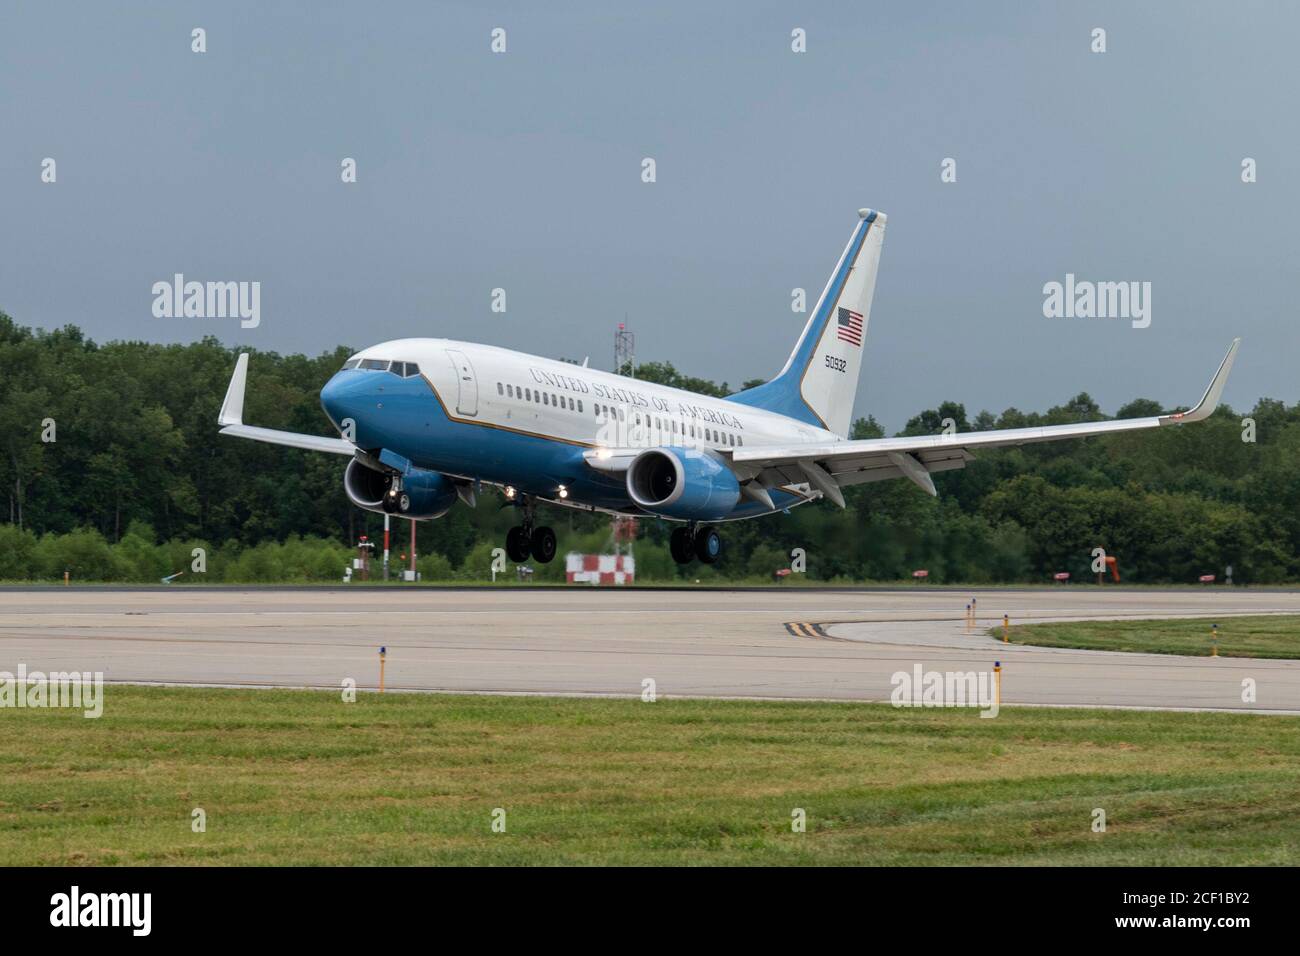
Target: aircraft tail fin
820	379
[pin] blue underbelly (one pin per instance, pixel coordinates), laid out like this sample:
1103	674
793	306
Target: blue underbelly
408	418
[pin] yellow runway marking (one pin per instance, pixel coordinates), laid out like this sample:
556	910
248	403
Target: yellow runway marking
806	629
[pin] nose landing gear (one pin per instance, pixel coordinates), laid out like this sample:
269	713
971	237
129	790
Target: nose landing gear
396	501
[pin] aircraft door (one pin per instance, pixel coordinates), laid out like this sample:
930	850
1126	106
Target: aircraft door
466	383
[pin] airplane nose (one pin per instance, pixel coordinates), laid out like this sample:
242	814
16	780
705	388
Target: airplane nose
339	398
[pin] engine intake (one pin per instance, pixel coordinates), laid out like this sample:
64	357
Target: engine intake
366	487
424	494
683	483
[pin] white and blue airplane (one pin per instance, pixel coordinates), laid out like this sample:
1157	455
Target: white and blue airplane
428	421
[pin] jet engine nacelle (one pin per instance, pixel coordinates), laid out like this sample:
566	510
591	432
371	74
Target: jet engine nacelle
683	483
427	494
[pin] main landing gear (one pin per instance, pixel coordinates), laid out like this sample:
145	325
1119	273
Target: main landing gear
690	542
396	501
525	540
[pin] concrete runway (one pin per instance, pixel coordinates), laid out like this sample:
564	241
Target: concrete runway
585	641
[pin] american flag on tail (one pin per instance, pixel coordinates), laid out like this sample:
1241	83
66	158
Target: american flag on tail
849	327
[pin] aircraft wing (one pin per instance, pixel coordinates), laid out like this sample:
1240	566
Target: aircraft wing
232	417
835	465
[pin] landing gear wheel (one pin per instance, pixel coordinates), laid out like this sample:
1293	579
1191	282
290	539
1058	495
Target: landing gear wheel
389	504
517	544
543	542
708	545
681	543
403	503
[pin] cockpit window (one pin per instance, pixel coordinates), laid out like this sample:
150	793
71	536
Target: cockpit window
380	364
351	363
407	370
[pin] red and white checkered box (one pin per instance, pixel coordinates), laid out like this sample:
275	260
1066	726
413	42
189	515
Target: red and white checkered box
598	569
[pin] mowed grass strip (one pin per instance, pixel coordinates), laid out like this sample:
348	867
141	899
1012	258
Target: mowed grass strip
1264	635
299	777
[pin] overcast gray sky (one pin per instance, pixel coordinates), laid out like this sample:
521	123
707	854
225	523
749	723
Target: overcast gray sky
522	171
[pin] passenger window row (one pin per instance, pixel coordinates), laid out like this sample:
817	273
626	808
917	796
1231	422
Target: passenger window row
538	397
670	426
610	413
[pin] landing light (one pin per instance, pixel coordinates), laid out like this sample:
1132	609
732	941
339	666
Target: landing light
564	492
510	493
603	453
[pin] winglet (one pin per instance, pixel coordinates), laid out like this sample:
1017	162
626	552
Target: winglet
232	409
1210	400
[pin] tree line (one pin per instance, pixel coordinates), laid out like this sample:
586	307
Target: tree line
113	469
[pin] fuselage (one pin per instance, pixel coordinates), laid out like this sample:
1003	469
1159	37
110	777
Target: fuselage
506	418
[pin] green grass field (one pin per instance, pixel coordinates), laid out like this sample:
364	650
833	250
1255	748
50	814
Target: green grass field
1256	636
298	777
